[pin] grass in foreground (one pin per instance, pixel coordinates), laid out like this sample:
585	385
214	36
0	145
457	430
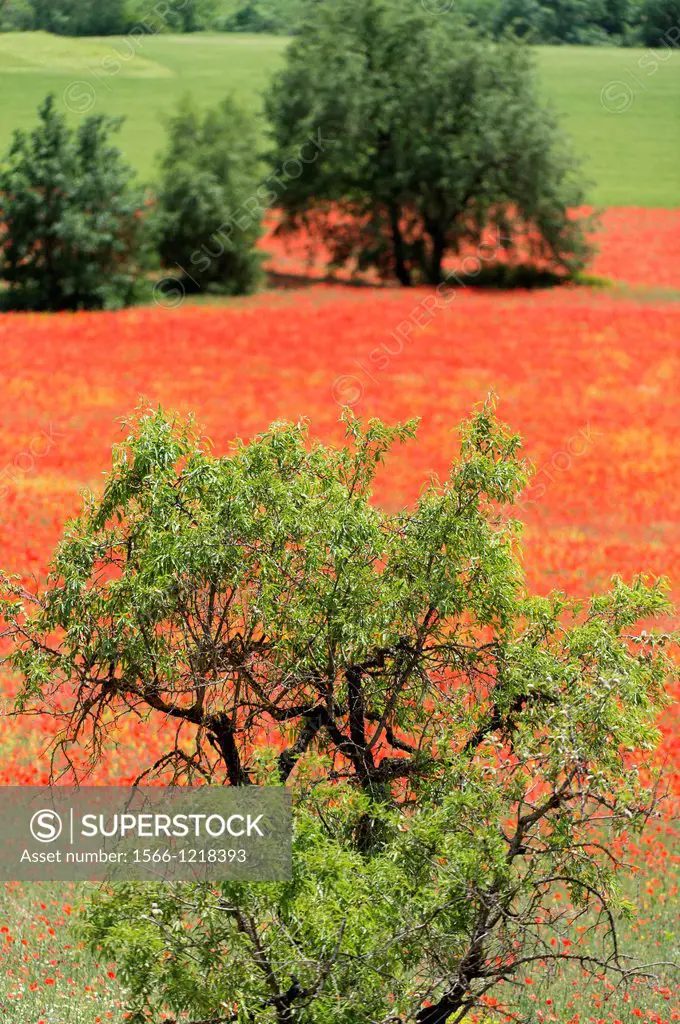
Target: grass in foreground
47	978
45	975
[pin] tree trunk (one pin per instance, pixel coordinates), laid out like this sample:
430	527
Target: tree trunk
440	1012
470	967
222	735
434	271
400	268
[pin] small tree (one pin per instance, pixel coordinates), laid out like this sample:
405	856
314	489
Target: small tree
208	171
437	134
72	232
459	751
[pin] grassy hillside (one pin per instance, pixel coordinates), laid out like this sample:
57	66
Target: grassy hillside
623	109
630	150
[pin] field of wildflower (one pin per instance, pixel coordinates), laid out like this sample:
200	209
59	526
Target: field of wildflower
587	374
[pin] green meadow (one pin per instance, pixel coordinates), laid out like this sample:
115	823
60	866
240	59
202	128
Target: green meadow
621	106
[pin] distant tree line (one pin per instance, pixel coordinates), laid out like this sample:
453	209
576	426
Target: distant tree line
116	17
579	22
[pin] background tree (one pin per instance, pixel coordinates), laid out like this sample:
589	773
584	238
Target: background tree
80	17
259	15
661	23
72	232
579	22
459	751
187	16
438	135
570	21
16	16
523	17
621	19
209	170
585	22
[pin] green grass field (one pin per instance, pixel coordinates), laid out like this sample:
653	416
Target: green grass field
621	106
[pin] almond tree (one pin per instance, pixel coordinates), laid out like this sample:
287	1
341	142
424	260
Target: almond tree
459	750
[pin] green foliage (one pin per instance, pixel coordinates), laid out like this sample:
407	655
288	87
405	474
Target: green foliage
16	16
209	170
72	232
172	15
107	17
438	137
661	23
620	18
459	751
78	17
259	15
583	22
589	22
575	21
580	22
525	19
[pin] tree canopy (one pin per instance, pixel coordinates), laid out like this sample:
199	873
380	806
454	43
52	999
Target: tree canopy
439	140
459	751
209	169
112	17
72	231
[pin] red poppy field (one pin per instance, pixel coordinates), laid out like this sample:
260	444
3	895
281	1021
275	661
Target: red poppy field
588	376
